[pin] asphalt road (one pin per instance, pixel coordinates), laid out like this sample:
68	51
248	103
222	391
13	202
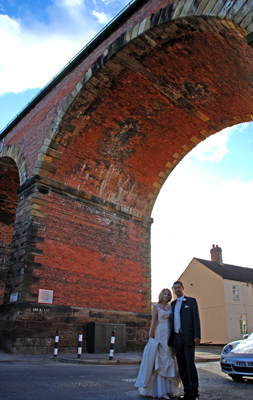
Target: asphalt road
49	380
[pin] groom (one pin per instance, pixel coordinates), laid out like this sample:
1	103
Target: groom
185	335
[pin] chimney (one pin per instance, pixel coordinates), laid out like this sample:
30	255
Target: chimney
216	254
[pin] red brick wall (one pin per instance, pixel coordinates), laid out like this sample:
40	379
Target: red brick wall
84	230
91	258
186	64
17	251
9	182
30	133
163	102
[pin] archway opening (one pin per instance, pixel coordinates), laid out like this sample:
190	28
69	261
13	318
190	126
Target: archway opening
206	200
9	178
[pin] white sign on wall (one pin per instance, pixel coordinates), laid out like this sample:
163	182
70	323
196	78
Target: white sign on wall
14	297
45	296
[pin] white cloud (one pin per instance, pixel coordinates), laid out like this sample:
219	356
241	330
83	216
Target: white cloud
33	51
30	61
193	216
194	211
72	3
102	17
241	127
212	149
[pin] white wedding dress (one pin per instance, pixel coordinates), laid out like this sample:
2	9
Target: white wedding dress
158	375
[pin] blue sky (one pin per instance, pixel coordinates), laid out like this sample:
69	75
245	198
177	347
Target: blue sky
38	38
207	198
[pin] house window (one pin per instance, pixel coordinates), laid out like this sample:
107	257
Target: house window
243	324
235	292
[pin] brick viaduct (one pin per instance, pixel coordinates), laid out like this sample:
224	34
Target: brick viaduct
82	165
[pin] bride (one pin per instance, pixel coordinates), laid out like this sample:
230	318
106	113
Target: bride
158	375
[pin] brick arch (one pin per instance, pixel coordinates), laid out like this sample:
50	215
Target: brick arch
10	181
185	149
84	230
172	23
14	152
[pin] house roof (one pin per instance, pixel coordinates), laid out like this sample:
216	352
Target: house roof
230	272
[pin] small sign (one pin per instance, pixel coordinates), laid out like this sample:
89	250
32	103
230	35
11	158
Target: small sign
14	297
45	296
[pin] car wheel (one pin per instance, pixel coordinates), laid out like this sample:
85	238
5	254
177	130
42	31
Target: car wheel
236	378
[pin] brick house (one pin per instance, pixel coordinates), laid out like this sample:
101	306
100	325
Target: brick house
225	297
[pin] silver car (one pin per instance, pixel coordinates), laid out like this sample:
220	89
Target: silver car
237	358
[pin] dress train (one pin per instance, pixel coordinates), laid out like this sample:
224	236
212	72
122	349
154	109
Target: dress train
158	375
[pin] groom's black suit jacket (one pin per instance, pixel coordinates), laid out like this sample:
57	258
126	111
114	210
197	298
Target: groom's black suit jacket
190	323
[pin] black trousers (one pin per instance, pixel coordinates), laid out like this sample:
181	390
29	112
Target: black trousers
186	363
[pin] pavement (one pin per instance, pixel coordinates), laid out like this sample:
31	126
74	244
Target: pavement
202	354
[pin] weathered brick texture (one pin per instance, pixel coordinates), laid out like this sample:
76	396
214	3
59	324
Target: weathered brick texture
33	329
36	125
92	152
84	263
9	182
88	255
152	111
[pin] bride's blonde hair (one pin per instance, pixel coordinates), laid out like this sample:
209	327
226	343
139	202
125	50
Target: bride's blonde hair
160	297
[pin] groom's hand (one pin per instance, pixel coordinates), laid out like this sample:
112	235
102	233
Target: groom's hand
197	341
